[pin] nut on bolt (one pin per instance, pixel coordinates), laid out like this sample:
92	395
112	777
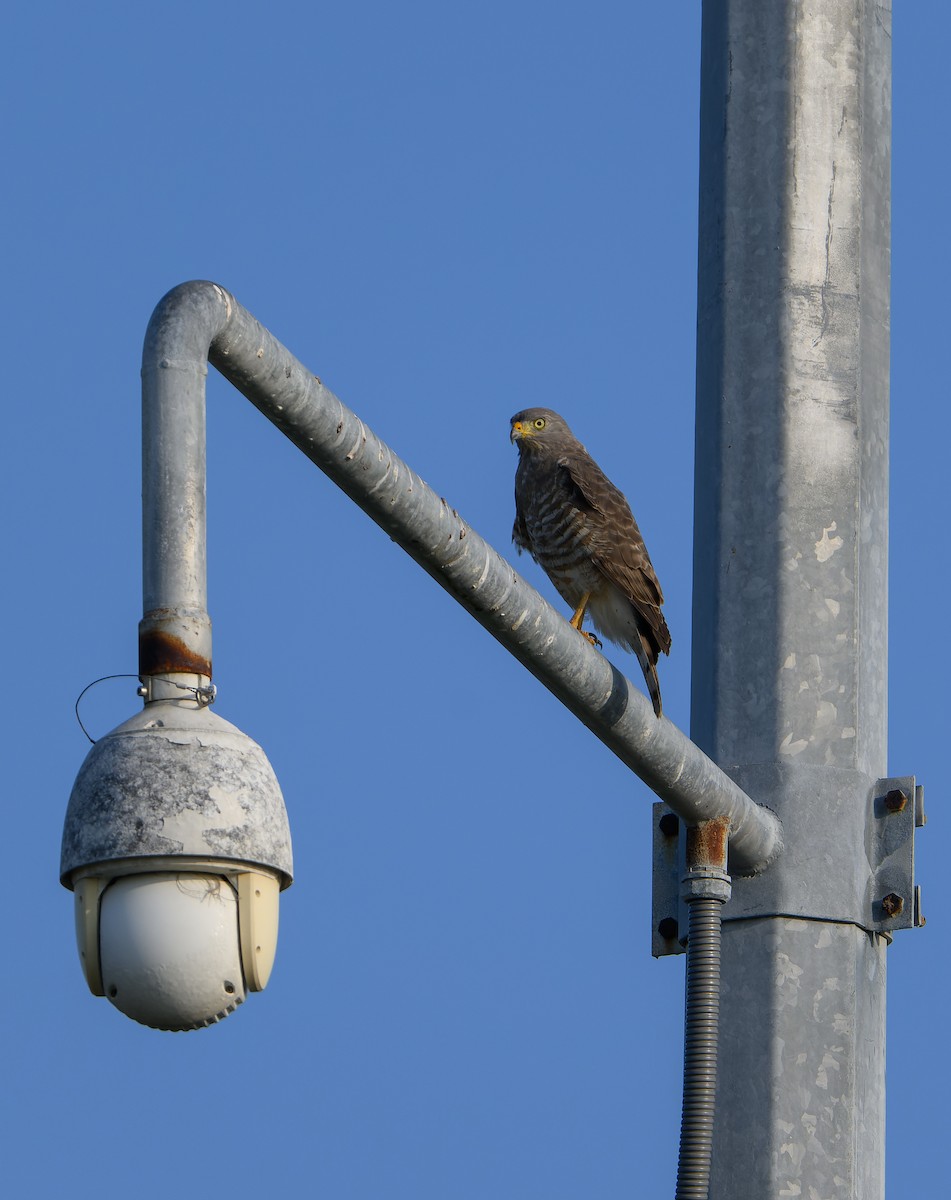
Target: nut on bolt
669	824
895	800
893	904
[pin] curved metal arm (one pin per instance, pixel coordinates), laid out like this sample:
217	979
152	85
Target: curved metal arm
199	322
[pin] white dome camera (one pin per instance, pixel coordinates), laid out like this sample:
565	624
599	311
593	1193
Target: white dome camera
176	845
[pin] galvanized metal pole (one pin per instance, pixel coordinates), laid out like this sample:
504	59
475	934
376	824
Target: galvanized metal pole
790	638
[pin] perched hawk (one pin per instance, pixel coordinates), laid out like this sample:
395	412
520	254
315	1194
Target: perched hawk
579	528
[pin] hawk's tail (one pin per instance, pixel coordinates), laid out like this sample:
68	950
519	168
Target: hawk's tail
642	650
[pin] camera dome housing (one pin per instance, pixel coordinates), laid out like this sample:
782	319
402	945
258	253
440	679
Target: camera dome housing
176	845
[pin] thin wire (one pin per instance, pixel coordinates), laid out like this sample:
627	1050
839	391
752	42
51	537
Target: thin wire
203	695
102	679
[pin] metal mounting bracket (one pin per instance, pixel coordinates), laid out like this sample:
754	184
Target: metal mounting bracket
820	876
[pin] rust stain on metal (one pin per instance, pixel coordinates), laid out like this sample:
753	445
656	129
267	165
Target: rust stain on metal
162	654
893	904
707	843
895	800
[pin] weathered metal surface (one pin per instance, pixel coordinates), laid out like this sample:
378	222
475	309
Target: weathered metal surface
822	877
802	1046
790	570
844	850
668	867
174	550
791	532
162	653
707	844
891	852
176	781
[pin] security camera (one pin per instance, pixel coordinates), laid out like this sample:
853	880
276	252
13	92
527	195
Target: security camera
176	845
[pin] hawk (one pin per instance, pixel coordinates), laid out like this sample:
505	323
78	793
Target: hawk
579	528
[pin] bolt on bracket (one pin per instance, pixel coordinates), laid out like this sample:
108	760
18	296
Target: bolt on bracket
893	898
668	860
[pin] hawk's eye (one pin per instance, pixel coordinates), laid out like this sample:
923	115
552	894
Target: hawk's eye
539	422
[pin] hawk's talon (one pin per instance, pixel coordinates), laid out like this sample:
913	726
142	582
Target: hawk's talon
590	637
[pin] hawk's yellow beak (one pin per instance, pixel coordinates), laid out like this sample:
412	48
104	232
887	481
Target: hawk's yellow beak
518	430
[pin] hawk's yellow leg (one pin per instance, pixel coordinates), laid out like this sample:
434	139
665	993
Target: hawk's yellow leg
577	619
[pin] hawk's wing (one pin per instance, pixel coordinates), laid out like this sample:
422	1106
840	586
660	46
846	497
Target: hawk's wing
615	542
520	532
520	529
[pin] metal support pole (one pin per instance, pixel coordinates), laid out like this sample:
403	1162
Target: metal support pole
200	322
789	687
175	631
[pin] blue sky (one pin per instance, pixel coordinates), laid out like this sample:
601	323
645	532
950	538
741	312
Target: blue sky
449	213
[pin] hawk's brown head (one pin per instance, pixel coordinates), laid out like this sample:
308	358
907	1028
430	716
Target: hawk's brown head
534	424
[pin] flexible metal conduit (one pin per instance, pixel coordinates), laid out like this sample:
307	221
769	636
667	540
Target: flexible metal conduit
200	322
705	889
701	1026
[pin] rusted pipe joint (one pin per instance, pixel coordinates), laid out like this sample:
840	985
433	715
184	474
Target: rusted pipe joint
708	845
